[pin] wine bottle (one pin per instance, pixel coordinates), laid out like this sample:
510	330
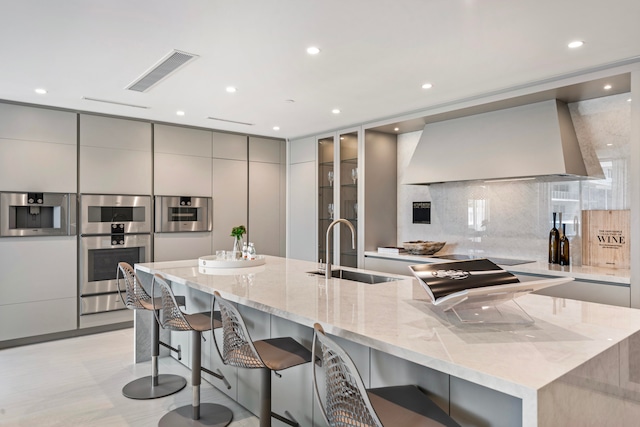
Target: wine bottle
554	240
564	247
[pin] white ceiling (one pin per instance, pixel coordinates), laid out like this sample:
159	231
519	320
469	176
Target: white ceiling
375	55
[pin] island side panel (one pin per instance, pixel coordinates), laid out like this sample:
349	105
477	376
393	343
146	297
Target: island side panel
604	391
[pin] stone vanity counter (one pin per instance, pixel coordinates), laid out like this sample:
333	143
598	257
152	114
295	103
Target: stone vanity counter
610	275
576	365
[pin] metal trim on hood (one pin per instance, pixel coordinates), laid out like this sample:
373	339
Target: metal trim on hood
530	141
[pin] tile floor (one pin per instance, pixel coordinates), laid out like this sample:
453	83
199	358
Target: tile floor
78	382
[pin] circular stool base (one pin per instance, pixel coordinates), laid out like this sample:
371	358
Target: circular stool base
142	388
211	414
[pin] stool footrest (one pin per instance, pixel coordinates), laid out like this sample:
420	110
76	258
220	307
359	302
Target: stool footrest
175	350
285	420
217	375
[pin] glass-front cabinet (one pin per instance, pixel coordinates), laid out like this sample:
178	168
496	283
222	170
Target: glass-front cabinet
348	196
338	195
326	206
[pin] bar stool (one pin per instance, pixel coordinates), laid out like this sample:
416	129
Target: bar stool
154	385
172	318
349	403
274	354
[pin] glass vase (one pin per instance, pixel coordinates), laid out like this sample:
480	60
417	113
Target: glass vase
237	247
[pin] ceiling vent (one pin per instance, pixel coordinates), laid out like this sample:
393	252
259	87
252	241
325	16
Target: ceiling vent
230	121
160	71
86	98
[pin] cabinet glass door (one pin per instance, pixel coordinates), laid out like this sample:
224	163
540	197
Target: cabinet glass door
348	196
326	183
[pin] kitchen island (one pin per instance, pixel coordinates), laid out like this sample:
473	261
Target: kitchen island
578	364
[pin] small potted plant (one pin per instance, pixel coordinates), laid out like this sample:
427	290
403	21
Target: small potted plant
237	233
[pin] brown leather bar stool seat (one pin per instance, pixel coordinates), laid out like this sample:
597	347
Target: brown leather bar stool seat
274	354
172	318
348	403
135	297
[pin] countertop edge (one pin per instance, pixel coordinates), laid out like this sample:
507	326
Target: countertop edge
597	274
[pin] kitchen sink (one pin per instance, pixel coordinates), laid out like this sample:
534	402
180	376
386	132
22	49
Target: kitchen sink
357	276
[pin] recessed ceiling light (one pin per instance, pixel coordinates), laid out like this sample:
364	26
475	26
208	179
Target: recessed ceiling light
629	100
396	129
609	145
231	89
312	50
607	87
427	86
335	111
575	44
180	113
276	128
41	91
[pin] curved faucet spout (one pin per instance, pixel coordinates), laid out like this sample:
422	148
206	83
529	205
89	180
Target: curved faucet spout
327	271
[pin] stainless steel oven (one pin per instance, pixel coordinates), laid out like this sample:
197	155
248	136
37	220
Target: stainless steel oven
183	214
37	214
100	213
98	264
113	228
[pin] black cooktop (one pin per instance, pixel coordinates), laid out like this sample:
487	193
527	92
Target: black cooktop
495	260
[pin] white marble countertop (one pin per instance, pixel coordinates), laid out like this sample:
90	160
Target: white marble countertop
397	318
598	274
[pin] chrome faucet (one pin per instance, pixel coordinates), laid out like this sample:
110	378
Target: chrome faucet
327	270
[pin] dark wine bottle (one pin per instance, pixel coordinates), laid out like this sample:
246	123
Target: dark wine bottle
563	248
554	241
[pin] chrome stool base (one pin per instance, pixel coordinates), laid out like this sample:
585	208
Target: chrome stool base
143	388
211	414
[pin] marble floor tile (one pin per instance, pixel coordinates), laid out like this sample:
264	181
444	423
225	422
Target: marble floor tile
78	382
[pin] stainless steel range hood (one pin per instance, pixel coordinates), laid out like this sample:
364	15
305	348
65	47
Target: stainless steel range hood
530	141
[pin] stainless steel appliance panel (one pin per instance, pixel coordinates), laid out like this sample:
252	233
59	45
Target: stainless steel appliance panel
37	214
99	213
101	303
100	256
183	214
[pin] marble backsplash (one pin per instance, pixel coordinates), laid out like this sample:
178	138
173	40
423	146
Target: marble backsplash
513	219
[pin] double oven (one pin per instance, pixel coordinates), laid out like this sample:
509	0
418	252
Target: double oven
113	228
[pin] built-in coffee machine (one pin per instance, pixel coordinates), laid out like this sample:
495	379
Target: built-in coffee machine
37	214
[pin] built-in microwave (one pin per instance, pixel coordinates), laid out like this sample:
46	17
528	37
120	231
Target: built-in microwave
101	213
183	214
37	214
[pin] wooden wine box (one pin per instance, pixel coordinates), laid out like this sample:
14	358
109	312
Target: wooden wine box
605	238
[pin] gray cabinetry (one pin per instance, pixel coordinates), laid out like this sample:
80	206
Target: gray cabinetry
355	179
302	238
230	187
115	156
38	147
229	200
182	167
379	216
38	292
182	161
266	226
387	265
38	285
587	290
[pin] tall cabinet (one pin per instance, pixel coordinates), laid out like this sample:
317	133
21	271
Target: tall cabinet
355	178
38	291
338	192
182	167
